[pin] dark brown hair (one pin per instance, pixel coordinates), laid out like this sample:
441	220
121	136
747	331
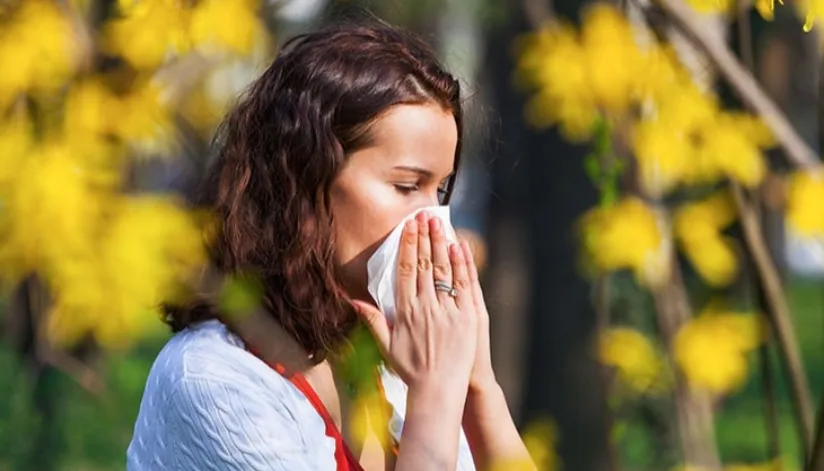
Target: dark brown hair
278	153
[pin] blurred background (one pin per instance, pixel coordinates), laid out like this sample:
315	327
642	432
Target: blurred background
624	338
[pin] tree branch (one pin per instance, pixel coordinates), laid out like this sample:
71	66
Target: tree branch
693	408
779	311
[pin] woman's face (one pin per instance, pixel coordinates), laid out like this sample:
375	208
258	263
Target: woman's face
407	163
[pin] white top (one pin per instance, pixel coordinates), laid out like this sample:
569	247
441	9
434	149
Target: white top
211	405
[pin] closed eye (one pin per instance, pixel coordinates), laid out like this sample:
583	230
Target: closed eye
406	189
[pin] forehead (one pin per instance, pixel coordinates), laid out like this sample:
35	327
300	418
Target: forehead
423	135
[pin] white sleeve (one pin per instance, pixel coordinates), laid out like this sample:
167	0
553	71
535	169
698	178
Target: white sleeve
230	426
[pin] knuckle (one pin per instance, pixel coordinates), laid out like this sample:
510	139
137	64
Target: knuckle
461	283
441	270
406	268
424	264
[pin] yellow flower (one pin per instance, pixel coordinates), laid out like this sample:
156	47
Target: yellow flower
812	10
39	50
732	144
665	140
685	139
148	254
551	61
370	417
664	73
90	109
698	226
634	357
805	203
766	8
629	235
145	121
662	154
540	438
711	349
614	61
55	197
15	142
210	28
147	32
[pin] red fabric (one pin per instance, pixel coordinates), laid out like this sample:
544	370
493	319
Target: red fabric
344	458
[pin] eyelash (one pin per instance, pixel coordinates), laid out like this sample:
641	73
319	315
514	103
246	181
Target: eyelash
406	189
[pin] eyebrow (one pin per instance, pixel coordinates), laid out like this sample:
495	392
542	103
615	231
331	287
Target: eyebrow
421	171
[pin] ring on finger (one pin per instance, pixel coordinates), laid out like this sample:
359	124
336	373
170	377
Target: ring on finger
446	288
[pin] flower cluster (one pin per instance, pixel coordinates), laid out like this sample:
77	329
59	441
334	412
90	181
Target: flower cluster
148	32
71	136
680	137
679	134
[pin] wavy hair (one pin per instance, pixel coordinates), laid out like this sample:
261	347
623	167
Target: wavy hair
279	151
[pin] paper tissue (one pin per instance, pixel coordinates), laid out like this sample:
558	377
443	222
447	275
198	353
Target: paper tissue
382	273
382	266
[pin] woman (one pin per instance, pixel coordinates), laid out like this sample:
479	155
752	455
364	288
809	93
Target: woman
344	135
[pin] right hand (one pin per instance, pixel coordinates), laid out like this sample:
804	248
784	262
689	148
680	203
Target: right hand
431	341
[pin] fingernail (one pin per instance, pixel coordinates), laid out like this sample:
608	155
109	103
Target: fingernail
436	223
410	225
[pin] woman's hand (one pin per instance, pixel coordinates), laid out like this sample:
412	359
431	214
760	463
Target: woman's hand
483	377
428	342
431	345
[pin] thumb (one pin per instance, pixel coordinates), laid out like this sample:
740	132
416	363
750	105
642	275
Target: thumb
376	321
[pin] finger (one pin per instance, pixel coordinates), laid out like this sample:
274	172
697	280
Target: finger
460	279
376	322
426	283
474	279
441	265
407	281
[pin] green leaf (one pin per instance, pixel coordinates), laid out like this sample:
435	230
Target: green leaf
241	295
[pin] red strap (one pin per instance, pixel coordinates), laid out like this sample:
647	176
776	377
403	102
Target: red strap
344	458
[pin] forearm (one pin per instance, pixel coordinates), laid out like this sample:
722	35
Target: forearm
431	429
491	432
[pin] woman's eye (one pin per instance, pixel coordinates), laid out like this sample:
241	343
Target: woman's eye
406	189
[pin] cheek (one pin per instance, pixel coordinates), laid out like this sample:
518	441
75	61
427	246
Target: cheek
363	222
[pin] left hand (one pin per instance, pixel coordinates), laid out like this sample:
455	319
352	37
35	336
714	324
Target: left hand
482	376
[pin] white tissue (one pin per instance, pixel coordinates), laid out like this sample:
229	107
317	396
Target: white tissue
382	272
383	264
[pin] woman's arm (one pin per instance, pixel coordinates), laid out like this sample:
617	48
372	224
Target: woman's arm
490	430
431	429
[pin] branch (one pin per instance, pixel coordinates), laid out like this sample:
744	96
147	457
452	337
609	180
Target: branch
693	408
538	12
779	312
748	89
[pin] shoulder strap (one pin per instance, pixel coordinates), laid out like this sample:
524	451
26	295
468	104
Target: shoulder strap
346	461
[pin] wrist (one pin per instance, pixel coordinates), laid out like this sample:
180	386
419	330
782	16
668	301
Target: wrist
484	386
485	400
441	395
